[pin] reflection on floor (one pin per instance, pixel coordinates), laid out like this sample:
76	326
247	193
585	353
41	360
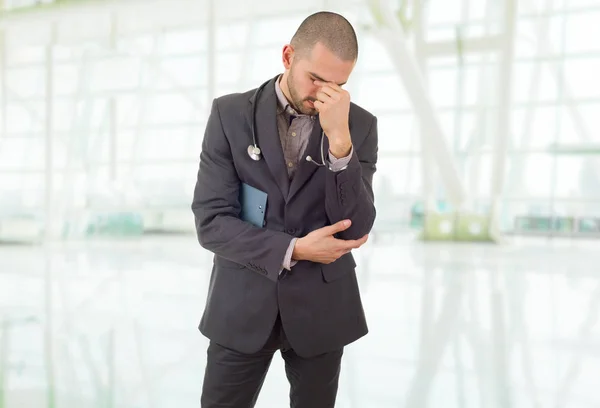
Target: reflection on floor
451	325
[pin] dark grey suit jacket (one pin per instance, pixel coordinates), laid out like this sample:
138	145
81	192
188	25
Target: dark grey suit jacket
319	304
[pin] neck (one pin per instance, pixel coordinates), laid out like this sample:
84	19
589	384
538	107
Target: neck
284	87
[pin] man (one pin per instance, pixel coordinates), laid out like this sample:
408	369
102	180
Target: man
288	284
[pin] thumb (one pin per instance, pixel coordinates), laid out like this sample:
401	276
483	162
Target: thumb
337	227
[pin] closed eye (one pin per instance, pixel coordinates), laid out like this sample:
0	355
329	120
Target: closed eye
315	77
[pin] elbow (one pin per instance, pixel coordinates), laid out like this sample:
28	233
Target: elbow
202	224
370	222
207	238
211	225
201	233
207	232
360	226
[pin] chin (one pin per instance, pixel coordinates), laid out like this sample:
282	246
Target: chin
308	111
308	108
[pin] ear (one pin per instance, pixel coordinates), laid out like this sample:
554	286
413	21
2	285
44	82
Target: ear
287	56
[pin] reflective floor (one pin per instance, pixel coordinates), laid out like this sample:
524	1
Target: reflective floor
451	325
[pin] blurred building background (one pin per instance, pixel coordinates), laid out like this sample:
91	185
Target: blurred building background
480	280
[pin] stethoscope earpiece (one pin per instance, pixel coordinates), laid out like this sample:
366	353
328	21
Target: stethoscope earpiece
310	159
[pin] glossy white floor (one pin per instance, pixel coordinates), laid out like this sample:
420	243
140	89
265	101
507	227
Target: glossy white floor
452	325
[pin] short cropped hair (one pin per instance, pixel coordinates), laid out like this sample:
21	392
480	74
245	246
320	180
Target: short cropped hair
330	29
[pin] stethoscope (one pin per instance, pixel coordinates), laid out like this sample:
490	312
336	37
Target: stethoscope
254	151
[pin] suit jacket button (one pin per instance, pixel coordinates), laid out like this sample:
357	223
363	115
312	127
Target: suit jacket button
291	231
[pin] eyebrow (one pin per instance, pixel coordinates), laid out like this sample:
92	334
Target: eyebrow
323	80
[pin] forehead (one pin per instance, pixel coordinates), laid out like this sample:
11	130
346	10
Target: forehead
325	65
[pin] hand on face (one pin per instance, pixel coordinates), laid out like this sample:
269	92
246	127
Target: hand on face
333	105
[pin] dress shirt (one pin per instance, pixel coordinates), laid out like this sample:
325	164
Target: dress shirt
294	132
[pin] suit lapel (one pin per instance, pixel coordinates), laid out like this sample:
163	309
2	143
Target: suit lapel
267	136
305	168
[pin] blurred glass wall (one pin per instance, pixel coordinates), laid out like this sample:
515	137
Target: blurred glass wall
103	106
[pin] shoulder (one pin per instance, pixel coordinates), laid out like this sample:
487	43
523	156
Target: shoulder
233	111
362	118
234	101
360	112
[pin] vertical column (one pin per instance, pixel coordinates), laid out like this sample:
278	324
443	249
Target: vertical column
461	33
504	111
427	161
48	133
212	50
3	83
112	110
561	103
484	93
49	224
112	147
499	335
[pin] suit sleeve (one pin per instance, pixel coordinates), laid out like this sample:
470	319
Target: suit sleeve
349	193
216	209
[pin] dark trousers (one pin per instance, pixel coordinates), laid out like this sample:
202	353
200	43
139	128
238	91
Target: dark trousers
234	380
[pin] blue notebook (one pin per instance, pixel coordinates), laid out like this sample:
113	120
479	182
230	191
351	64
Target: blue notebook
254	204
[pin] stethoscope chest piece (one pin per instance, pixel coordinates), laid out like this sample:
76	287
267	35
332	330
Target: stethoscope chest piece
254	152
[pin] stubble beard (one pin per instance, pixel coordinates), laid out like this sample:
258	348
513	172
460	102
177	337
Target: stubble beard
297	100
